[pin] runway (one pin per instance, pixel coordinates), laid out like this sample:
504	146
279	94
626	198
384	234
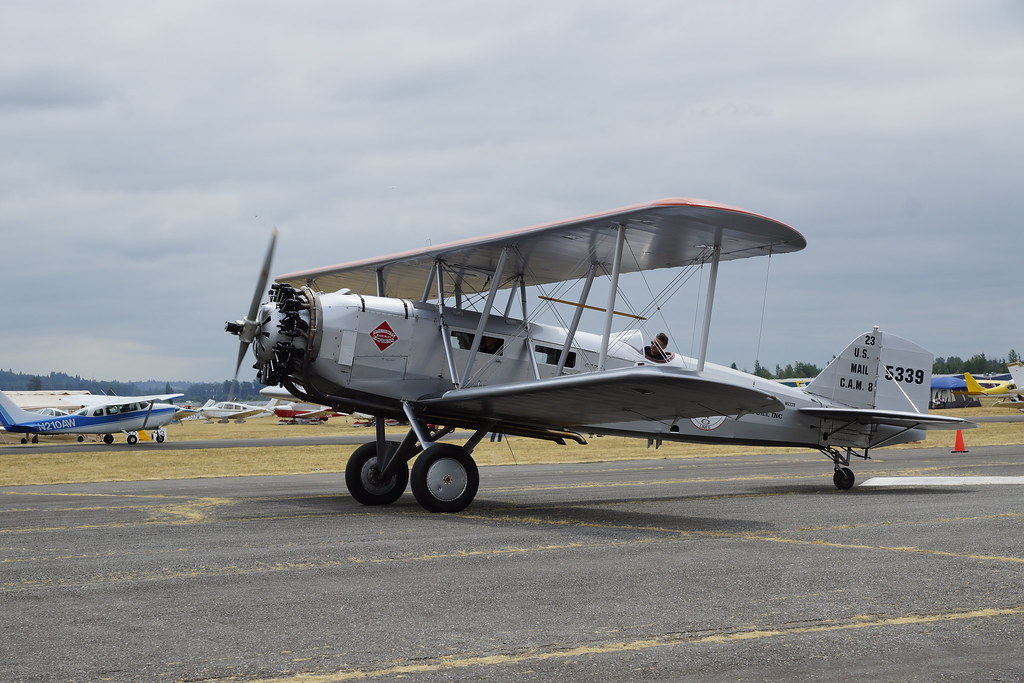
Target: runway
721	569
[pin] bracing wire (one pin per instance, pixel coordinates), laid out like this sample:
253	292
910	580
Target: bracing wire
764	303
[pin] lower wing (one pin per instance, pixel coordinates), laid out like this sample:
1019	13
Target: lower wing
627	394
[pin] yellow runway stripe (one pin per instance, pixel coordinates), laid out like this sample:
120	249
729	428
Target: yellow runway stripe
440	664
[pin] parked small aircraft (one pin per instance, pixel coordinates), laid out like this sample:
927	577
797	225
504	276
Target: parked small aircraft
102	415
988	387
398	337
225	411
297	412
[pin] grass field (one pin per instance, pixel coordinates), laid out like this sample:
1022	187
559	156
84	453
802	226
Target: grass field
22	466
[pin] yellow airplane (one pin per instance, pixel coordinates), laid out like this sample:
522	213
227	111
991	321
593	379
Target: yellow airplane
990	386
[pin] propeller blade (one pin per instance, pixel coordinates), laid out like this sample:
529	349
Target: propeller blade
242	348
261	286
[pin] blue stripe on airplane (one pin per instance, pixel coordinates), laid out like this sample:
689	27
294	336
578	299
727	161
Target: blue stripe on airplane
78	423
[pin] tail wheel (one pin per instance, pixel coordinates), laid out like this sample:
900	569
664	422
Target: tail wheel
364	481
445	478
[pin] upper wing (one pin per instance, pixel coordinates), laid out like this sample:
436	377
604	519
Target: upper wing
896	418
663	234
626	394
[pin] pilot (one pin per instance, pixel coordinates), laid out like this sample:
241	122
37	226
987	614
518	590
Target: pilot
657	351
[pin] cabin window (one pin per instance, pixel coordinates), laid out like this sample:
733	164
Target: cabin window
464	340
548	355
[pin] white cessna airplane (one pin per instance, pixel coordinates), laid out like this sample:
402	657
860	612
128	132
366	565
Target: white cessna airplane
396	337
225	411
101	415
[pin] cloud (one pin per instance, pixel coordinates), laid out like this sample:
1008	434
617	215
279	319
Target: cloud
149	151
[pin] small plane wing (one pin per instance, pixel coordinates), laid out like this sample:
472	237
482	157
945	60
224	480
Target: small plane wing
314	414
621	395
103	399
243	414
897	418
667	233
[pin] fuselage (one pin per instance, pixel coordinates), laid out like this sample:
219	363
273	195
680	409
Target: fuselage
105	419
369	354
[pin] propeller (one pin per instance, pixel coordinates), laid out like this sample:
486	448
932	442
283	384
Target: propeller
247	328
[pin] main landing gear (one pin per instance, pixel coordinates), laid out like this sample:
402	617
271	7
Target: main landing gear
843	477
444	477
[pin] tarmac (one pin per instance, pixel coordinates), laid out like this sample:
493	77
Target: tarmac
742	568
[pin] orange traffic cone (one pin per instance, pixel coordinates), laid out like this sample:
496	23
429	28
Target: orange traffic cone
958	445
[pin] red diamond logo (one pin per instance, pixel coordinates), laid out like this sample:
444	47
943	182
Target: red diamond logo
383	336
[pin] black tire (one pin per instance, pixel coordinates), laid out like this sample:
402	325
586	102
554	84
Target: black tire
363	481
445	478
108	439
81	438
35	438
132	439
843	479
160	437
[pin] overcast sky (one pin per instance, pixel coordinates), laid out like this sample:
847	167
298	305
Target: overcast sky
147	150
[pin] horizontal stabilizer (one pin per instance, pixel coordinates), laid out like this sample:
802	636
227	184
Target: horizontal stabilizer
626	394
896	418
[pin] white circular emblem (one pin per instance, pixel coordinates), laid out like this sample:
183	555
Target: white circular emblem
708	423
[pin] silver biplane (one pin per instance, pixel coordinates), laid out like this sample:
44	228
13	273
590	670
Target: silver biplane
397	337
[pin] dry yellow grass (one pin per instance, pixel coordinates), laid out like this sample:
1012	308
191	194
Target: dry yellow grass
23	466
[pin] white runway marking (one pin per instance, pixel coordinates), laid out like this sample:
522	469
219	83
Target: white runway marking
941	481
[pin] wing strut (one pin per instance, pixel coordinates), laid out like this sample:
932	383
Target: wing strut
710	301
499	272
446	340
616	267
571	332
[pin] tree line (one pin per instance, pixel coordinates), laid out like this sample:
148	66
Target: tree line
193	391
978	364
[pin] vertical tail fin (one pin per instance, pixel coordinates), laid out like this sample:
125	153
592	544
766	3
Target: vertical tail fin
11	415
1017	373
878	370
972	384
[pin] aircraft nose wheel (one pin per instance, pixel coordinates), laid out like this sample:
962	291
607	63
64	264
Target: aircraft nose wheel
365	482
843	478
445	478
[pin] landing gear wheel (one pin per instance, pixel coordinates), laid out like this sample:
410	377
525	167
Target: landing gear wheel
364	481
160	437
843	478
108	439
132	439
81	438
35	438
445	478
